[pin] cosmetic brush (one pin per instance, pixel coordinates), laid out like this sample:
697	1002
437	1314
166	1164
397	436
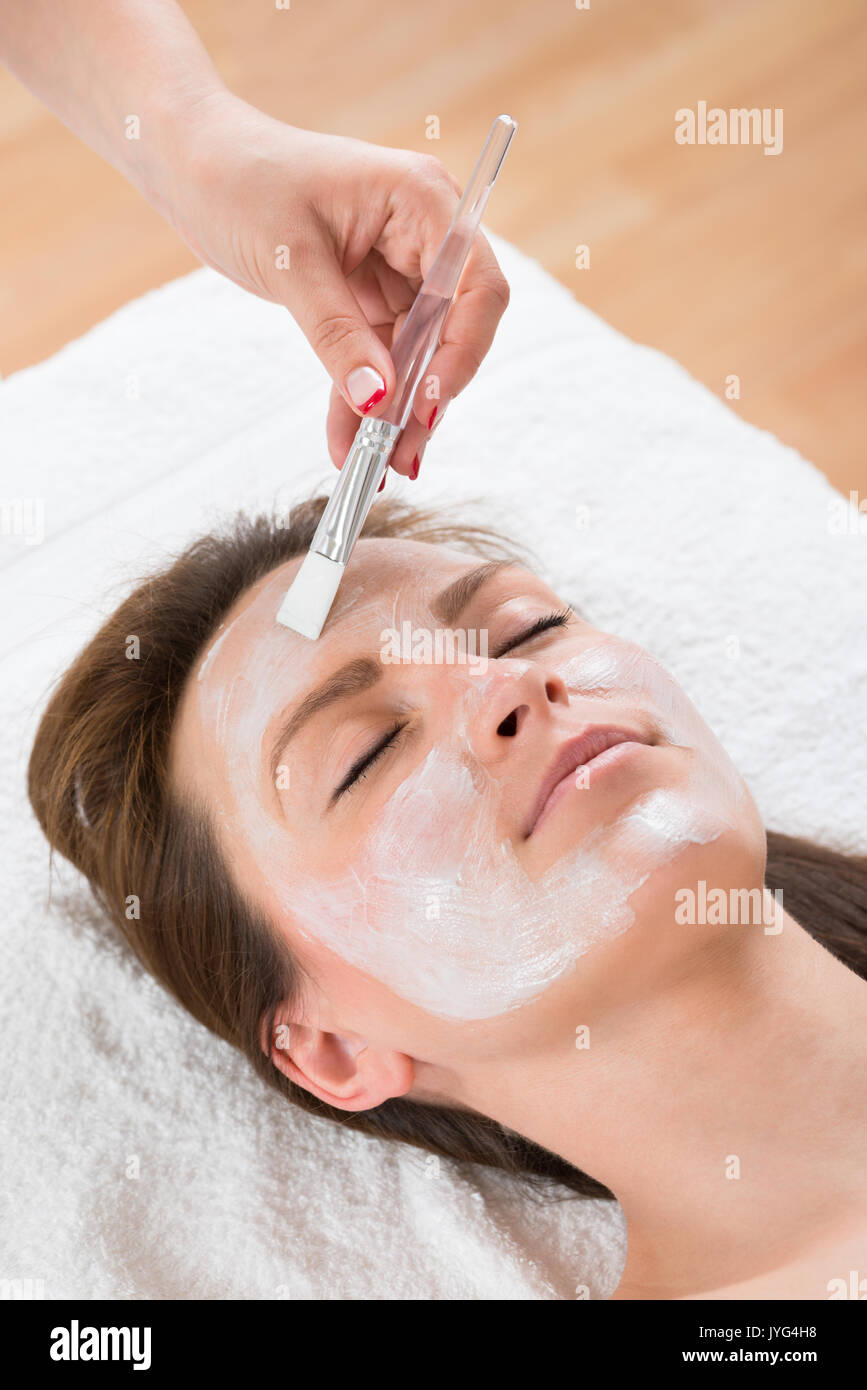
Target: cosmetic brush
313	590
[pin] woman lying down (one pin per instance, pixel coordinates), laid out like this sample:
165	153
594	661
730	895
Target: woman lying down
518	909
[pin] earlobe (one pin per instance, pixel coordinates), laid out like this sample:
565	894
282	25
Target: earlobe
340	1069
373	1076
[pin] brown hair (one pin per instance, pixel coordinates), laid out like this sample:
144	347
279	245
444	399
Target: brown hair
98	783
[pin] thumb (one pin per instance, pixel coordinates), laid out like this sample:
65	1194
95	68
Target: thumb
318	297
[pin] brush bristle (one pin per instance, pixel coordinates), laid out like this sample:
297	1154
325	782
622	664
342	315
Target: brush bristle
310	595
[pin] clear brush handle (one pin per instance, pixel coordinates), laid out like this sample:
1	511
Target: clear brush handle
375	440
414	345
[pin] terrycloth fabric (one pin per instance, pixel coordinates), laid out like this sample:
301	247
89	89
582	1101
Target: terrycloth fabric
141	1158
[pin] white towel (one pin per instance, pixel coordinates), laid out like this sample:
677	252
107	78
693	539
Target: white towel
649	504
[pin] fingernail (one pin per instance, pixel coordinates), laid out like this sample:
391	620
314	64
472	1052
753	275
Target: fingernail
437	413
416	465
382	484
433	416
365	388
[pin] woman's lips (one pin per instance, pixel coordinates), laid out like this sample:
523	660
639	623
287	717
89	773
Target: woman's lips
589	748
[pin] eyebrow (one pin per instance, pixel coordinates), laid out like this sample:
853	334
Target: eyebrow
363	672
448	605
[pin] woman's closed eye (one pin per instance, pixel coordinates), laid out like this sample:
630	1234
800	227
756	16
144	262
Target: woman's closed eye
388	741
539	625
362	765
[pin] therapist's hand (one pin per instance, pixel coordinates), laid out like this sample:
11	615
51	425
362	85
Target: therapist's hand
342	233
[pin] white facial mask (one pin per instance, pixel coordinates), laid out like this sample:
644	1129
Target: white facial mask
439	908
437	905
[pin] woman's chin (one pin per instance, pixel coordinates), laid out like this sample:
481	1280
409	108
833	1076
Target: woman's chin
663	934
583	807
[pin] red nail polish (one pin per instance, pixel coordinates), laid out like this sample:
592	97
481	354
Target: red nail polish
374	400
416	465
433	416
382	484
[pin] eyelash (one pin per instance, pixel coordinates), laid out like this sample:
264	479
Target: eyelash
544	624
361	768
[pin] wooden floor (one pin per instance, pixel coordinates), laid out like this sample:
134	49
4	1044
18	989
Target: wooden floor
736	263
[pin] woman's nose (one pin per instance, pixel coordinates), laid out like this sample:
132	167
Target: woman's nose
510	706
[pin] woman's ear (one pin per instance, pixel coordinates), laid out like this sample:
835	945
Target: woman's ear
341	1069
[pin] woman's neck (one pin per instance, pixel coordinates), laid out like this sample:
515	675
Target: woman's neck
726	1112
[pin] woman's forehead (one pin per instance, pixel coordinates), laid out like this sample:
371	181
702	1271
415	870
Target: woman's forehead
252	660
382	578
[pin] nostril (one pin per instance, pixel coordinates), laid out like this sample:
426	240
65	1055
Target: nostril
556	692
508	727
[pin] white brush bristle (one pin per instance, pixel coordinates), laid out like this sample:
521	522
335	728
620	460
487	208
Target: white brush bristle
310	595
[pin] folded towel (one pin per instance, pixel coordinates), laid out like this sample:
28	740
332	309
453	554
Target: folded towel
141	1158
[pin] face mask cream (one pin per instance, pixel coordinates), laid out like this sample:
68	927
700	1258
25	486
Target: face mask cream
436	903
438	906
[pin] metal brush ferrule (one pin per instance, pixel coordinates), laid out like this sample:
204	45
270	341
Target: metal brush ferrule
353	496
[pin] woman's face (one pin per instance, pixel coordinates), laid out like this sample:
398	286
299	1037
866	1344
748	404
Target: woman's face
414	799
